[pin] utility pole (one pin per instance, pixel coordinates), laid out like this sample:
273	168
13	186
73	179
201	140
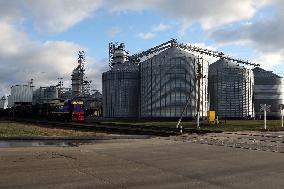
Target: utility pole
265	108
282	114
265	116
199	76
179	121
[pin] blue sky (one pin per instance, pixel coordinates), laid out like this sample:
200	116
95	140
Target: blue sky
40	39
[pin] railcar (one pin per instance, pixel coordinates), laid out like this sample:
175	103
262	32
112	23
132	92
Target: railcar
71	110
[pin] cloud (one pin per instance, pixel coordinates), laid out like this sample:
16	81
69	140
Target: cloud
210	59
209	14
146	36
113	31
161	27
22	59
60	15
94	72
155	29
11	10
49	16
264	35
269	60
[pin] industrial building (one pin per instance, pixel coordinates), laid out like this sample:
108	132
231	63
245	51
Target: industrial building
80	86
20	94
43	94
231	90
167	80
43	99
2	102
268	89
120	86
156	88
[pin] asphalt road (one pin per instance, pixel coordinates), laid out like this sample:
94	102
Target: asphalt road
148	163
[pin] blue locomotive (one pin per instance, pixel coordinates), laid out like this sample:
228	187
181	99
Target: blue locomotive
71	110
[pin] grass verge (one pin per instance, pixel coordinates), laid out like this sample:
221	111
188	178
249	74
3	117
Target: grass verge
10	129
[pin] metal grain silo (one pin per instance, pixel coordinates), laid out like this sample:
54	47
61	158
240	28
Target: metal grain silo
2	102
268	89
21	94
231	90
120	89
167	80
51	92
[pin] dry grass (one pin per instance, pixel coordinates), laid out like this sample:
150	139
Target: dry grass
8	129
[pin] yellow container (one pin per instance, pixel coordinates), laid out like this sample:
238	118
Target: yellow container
211	117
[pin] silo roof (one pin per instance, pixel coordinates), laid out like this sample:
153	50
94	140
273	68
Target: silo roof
259	72
173	52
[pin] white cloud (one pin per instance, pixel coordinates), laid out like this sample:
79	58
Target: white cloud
210	14
51	15
59	15
161	27
210	59
146	36
22	59
264	35
94	72
113	31
270	59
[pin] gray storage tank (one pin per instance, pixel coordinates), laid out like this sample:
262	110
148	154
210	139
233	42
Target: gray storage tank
21	94
167	80
231	90
120	89
51	92
2	102
268	89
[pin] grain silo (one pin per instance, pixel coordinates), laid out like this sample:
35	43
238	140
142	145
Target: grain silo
268	89
167	80
120	89
231	90
2	102
20	94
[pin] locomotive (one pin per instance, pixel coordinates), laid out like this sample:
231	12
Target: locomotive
71	110
68	110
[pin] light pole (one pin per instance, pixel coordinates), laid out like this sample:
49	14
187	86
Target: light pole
265	116
282	113
265	108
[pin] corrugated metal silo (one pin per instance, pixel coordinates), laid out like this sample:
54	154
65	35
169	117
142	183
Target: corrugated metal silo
167	80
268	89
51	92
231	90
2	102
21	94
10	101
120	89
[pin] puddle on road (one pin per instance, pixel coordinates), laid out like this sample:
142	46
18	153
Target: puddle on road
43	143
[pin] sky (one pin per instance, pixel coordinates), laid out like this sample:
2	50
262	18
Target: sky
40	39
